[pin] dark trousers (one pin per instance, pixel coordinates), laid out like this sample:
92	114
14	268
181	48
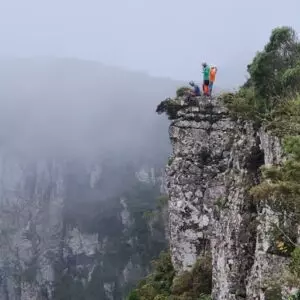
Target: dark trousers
206	87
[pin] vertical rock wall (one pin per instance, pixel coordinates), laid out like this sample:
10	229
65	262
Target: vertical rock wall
66	231
215	162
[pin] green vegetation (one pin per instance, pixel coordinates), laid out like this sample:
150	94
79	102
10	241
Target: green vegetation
182	91
163	284
285	118
280	188
271	98
274	78
133	238
293	277
170	160
273	292
170	107
159	282
282	182
243	104
162	201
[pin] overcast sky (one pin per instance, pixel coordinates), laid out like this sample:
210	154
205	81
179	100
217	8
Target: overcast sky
162	37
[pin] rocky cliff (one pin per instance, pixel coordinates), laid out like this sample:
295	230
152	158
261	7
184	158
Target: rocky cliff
77	176
215	162
73	229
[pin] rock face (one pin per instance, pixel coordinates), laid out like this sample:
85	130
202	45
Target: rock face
214	163
31	227
70	230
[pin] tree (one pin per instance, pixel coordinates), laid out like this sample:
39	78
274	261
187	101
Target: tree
274	78
276	66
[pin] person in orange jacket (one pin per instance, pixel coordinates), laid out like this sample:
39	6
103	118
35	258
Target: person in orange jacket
212	78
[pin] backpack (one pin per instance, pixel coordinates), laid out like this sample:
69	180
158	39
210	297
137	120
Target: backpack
197	90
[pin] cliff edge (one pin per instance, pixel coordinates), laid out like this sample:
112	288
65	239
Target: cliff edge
215	162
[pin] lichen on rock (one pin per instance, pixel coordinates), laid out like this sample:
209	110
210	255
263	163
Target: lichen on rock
215	162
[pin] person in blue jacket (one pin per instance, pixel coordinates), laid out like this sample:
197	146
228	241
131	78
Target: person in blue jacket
196	90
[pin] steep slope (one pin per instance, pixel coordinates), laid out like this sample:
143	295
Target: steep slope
81	158
80	108
215	162
233	185
65	236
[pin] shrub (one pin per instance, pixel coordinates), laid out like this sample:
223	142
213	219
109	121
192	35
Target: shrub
162	284
244	104
133	296
170	107
295	263
182	91
281	184
285	118
268	67
273	293
274	77
182	283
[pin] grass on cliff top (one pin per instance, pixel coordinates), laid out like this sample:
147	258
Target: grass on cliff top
171	106
274	78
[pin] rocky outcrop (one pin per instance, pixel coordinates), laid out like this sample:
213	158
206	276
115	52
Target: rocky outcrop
215	162
72	224
31	227
267	266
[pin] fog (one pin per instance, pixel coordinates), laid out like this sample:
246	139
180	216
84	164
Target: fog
81	77
80	81
73	107
168	38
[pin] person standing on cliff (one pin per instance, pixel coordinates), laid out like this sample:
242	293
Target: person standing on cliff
206	71
212	78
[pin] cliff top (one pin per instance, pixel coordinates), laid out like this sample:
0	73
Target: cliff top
195	108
